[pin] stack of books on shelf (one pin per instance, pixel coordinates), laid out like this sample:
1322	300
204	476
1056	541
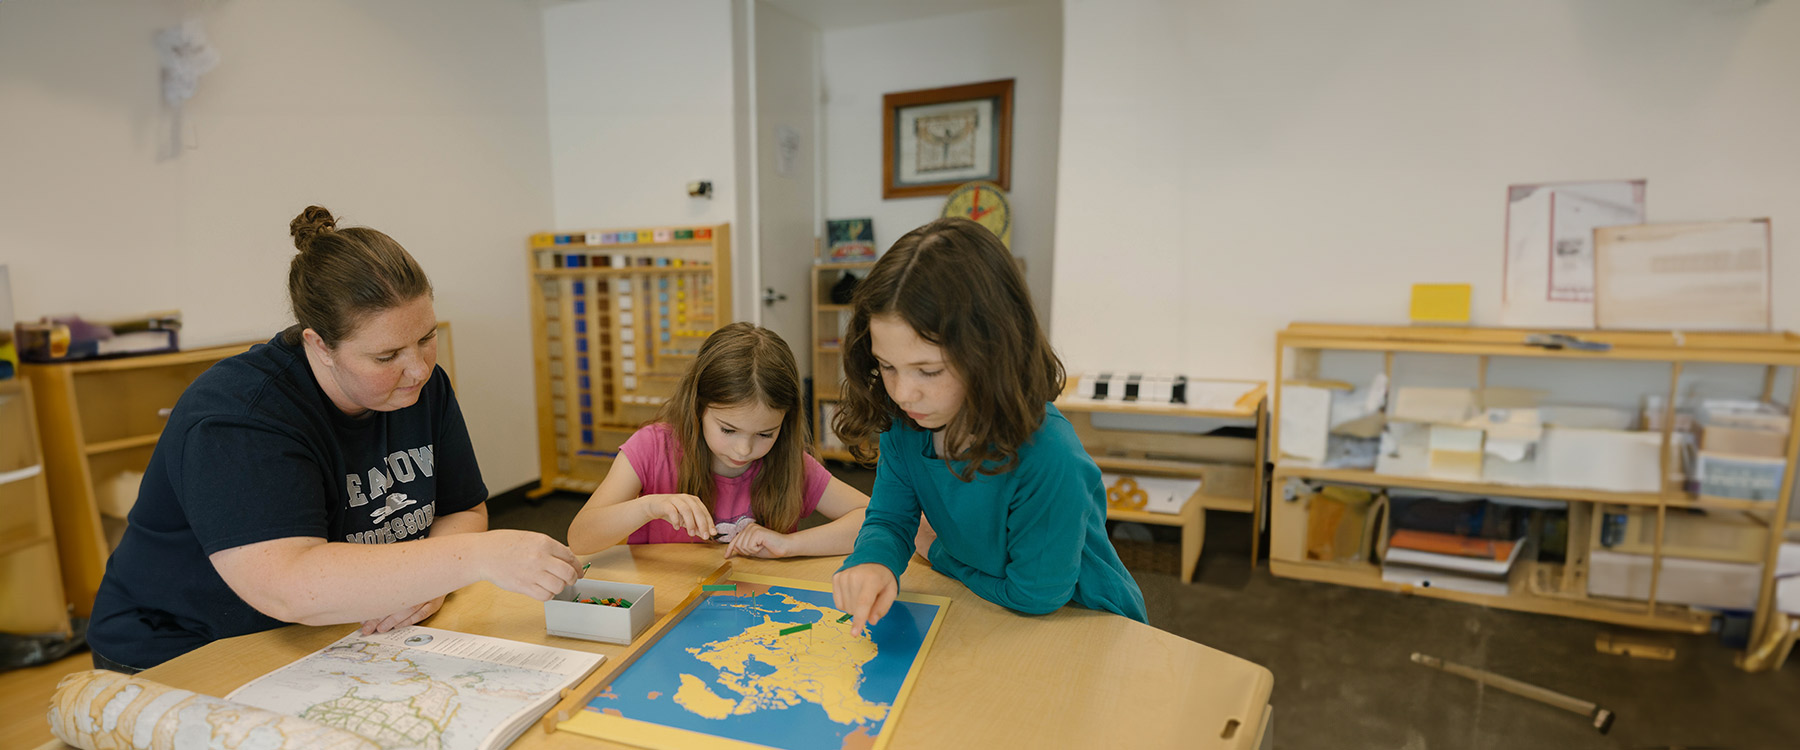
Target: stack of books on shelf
1430	559
1467	545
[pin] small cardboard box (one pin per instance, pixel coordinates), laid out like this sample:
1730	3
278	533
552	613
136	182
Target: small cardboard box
598	622
1743	441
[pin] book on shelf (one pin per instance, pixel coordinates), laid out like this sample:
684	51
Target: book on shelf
1428	578
423	687
1508	553
1452	544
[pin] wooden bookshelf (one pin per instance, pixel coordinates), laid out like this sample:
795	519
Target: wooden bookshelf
1545	587
828	319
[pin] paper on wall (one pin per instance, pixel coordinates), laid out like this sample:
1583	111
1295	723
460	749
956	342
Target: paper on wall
1702	276
1550	269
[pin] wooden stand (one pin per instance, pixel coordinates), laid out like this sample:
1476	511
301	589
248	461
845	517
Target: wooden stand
1230	469
617	316
31	602
1547	588
828	324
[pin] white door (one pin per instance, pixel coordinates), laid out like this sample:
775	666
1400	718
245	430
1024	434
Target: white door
786	110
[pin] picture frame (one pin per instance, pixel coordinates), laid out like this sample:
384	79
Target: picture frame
936	139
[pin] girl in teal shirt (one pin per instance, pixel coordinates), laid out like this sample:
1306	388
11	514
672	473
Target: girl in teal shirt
944	358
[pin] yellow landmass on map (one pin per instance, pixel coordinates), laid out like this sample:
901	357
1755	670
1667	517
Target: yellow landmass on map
695	697
822	665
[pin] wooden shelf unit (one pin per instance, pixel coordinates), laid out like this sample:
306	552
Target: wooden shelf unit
828	320
1230	469
615	322
1546	588
100	421
31	599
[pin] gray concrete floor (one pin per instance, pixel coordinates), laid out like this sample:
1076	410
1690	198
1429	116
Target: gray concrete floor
1343	678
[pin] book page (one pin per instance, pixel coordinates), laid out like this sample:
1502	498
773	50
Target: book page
422	687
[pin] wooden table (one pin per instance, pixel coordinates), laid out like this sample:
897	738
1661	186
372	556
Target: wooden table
994	678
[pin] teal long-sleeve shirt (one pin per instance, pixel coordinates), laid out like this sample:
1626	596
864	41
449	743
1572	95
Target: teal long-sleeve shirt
1030	539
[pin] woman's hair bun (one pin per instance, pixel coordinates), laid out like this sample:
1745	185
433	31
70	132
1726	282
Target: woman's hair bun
312	222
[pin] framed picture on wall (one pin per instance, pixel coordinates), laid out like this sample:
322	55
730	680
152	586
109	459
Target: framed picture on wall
933	140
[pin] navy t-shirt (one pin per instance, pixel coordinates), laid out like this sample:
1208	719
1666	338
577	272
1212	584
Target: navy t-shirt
253	451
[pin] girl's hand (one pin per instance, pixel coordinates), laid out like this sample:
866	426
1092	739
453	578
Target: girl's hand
408	616
865	592
922	541
755	541
684	512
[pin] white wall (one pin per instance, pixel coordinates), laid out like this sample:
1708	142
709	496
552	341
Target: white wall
640	104
1229	167
863	63
422	118
787	192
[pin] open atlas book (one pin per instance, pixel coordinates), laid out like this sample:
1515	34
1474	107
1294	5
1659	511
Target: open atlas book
412	687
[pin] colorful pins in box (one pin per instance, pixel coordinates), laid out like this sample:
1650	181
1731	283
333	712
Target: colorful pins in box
548	239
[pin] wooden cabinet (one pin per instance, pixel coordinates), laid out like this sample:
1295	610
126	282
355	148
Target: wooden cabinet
31	595
100	420
1141	439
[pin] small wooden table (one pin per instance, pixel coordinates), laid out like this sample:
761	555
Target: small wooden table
994	678
1230	469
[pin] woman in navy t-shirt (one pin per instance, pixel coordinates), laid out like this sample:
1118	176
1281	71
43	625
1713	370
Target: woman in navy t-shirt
287	474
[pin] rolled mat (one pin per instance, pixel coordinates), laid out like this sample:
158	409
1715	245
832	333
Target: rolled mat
102	710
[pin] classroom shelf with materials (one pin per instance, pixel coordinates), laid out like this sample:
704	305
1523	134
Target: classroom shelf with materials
1139	442
31	603
828	321
1598	454
617	315
100	420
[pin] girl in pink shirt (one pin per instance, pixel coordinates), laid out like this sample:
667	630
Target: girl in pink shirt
727	460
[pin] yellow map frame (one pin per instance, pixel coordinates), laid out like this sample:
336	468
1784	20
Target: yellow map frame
658	737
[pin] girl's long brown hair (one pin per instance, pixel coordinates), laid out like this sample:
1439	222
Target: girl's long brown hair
957	286
740	364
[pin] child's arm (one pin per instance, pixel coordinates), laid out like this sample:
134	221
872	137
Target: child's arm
840	502
615	510
1044	540
869	580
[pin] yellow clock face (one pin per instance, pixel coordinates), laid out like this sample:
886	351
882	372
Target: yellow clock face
983	202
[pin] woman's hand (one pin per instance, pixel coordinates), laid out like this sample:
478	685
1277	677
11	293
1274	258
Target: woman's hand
684	512
525	562
403	618
865	592
755	541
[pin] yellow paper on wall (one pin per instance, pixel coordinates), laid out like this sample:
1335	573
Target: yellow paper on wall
1440	303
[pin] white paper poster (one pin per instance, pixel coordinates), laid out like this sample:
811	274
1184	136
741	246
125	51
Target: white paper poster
1549	278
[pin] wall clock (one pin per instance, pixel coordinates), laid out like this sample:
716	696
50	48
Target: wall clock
985	203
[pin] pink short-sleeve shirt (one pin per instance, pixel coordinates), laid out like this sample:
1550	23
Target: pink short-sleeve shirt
655	456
